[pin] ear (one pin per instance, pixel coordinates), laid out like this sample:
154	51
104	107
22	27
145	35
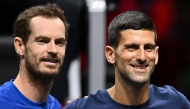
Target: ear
156	61
19	46
65	43
110	54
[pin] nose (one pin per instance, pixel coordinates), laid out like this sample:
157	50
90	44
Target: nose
141	56
52	48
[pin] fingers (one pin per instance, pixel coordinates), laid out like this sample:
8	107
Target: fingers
76	98
68	102
85	96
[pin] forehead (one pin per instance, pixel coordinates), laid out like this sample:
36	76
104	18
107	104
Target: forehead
137	36
47	26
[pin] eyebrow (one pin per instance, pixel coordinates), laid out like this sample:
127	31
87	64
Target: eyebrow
40	37
45	37
134	44
150	44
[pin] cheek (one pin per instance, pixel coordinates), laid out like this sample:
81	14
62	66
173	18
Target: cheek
151	57
128	56
34	50
35	54
62	52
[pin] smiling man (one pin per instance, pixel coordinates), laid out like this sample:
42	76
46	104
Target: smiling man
40	42
133	51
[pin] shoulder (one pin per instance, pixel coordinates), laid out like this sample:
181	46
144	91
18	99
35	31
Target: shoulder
169	95
91	102
53	103
6	84
5	89
7	95
166	90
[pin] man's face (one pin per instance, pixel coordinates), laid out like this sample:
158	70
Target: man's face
45	48
136	55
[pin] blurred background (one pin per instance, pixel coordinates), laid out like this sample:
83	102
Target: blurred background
85	68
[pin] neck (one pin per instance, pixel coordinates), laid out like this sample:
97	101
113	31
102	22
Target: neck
35	90
129	94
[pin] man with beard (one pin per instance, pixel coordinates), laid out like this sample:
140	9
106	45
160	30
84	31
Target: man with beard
40	42
133	51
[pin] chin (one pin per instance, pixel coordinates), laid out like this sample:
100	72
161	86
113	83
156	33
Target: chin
50	72
142	81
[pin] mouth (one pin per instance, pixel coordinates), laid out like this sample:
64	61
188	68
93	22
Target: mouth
51	60
140	68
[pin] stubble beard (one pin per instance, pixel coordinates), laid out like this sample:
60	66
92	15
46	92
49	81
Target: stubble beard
37	77
127	75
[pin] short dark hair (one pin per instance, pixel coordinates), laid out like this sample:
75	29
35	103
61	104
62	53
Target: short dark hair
128	20
22	27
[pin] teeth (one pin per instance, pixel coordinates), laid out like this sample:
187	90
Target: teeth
139	67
